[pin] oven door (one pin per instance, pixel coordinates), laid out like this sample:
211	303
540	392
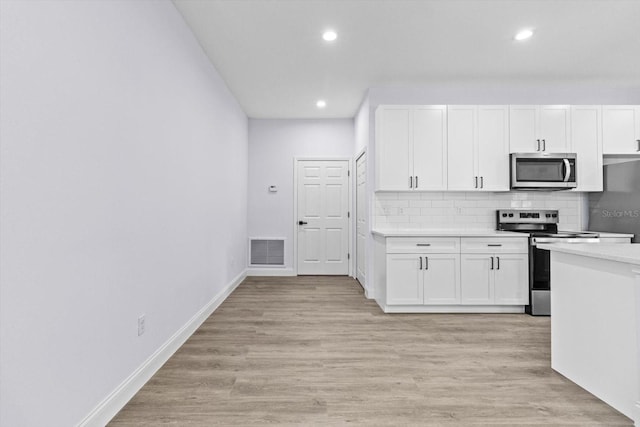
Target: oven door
539	282
540	269
543	171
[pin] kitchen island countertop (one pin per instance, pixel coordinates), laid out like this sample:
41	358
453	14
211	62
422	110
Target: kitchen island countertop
621	252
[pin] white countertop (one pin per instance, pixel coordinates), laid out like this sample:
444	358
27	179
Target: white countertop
621	252
437	232
458	232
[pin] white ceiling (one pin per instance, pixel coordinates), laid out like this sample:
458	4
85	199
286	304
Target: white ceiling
273	58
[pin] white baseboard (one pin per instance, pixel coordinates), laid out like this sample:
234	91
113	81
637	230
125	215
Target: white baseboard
283	272
368	293
114	402
452	308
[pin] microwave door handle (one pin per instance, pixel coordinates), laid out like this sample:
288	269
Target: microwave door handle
567	169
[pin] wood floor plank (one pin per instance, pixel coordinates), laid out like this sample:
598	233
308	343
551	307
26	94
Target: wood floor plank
314	351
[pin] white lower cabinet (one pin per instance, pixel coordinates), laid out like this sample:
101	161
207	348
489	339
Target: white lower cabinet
452	274
403	271
494	278
423	279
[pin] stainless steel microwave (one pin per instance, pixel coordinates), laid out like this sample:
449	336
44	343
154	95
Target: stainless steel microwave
543	171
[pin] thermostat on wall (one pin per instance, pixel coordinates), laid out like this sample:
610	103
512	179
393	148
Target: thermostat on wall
273	189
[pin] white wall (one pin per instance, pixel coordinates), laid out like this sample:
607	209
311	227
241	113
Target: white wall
123	174
273	144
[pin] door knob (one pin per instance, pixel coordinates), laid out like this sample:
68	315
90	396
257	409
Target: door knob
302	222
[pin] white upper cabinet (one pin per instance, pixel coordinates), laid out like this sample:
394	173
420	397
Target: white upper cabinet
586	131
394	148
462	144
539	128
411	148
621	129
430	147
478	147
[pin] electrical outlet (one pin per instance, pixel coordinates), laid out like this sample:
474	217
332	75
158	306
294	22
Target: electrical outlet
141	324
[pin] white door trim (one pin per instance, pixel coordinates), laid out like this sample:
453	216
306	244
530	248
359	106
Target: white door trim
296	160
355	216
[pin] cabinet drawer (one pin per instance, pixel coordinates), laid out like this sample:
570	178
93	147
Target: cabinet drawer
510	245
423	245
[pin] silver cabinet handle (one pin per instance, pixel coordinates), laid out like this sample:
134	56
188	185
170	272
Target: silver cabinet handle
416	181
638	141
492	263
410	182
538	149
494	244
426	263
476	183
423	244
420	262
544	145
498	258
482	182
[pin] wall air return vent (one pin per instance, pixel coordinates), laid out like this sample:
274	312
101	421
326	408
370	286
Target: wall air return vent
267	252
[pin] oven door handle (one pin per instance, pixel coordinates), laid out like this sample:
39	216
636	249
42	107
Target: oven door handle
567	169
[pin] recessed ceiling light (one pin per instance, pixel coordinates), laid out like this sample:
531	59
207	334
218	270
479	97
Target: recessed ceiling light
321	103
329	35
523	35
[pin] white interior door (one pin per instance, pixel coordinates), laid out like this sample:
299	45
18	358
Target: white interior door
323	224
361	218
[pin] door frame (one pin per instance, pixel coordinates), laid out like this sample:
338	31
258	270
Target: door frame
296	161
359	154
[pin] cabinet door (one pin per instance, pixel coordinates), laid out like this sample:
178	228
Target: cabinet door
586	130
404	280
476	279
621	129
523	126
493	147
442	279
430	147
393	148
461	147
555	128
511	286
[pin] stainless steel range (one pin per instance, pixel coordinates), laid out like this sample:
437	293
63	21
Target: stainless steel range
542	227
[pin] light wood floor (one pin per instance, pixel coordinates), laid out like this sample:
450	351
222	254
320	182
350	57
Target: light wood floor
314	351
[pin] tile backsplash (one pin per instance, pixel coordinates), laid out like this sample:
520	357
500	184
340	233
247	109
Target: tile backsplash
470	210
